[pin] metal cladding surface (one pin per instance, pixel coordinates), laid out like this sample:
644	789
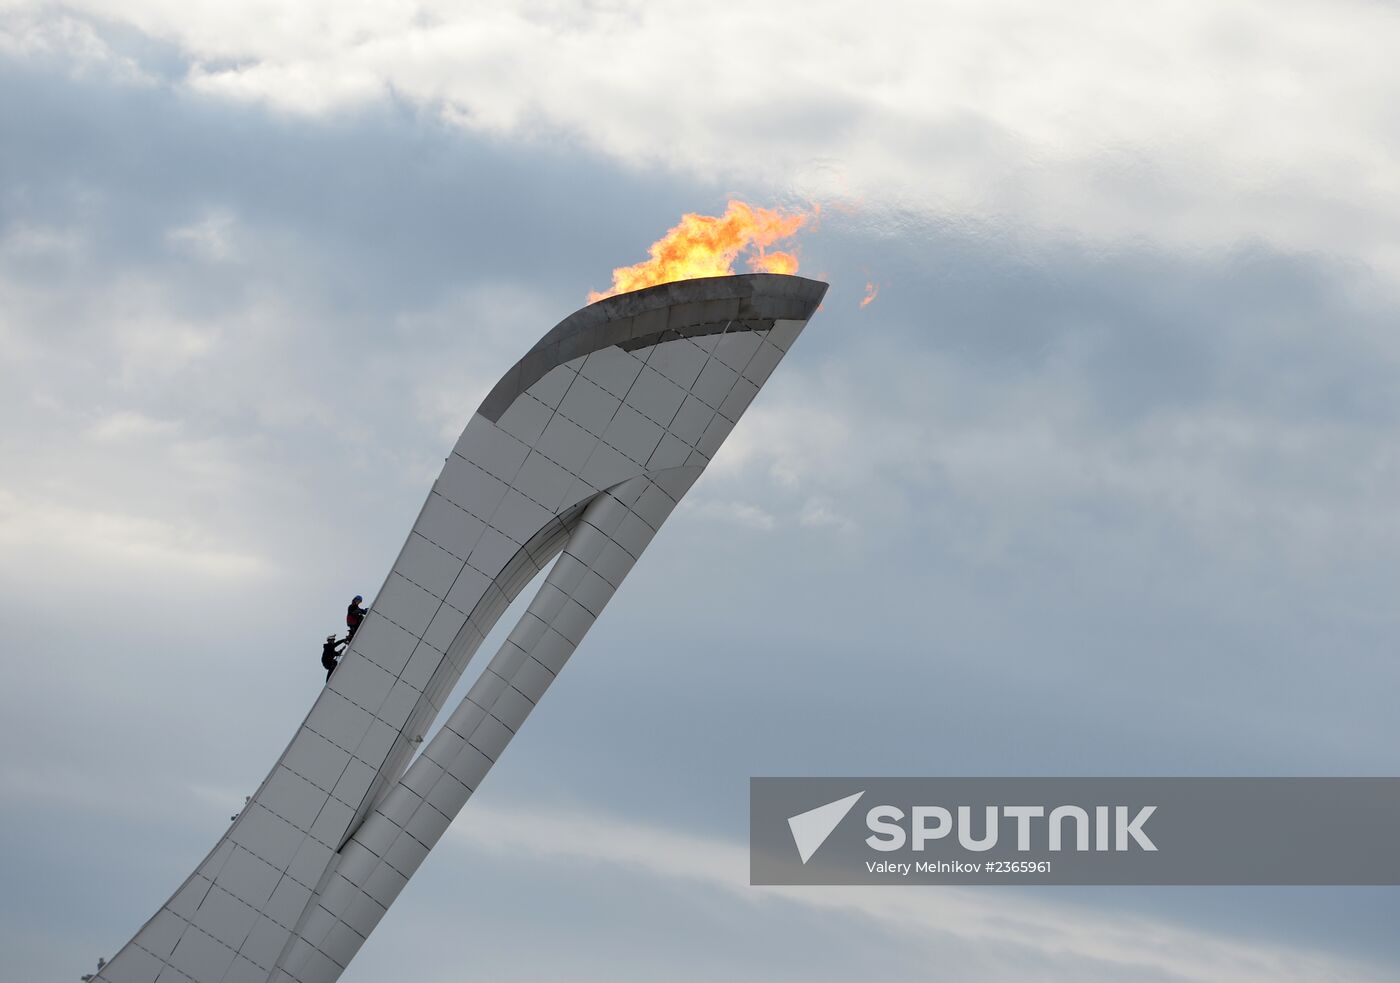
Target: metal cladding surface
583	448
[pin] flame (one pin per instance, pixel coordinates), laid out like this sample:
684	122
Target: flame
708	245
872	290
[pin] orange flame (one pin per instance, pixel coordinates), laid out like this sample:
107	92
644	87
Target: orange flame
706	245
872	290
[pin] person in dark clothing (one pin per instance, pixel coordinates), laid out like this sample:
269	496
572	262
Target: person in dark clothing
354	614
330	652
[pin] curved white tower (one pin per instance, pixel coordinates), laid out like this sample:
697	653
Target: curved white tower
583	448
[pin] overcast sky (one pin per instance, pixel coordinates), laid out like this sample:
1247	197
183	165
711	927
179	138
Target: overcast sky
1103	481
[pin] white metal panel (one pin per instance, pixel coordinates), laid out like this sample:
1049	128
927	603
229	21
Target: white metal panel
612	369
672	452
491	448
589	405
735	348
526	419
542	480
607	466
716	379
764	361
785	332
428	565
161	933
566	444
264	943
691	420
633	434
550	389
655	396
679	361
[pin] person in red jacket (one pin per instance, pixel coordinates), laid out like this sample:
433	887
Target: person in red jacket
354	615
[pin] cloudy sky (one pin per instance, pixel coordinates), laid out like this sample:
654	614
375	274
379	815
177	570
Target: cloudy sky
1102	482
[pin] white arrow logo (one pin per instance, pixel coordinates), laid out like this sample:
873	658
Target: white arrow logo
811	828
